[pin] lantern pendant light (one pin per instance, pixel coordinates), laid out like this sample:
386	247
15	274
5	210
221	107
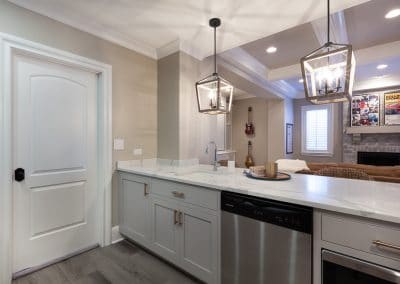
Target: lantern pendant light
328	72
214	94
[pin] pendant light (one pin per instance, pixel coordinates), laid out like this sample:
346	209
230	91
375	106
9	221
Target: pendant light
214	94
328	72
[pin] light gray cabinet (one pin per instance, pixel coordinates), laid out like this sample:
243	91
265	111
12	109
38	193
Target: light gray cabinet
134	207
164	224
357	237
179	222
199	244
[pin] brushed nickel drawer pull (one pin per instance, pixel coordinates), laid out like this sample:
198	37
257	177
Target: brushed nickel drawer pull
146	189
176	221
386	245
180	218
178	194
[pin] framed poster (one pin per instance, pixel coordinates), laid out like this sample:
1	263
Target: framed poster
365	110
289	138
392	107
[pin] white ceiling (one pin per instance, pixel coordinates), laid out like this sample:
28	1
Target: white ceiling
149	25
369	77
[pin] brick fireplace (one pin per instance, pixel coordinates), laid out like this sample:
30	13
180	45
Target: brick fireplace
389	142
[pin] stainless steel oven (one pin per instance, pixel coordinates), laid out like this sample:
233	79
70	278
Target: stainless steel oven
342	269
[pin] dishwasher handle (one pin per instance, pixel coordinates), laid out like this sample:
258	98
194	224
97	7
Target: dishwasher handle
276	210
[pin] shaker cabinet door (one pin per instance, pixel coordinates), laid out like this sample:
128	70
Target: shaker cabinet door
164	228
200	243
134	208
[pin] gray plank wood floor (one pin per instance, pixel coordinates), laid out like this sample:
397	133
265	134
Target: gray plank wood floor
119	263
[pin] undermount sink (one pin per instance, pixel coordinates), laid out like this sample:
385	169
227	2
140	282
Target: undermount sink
204	169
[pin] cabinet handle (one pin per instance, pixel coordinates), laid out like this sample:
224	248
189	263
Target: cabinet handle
178	194
180	218
146	189
386	245
176	221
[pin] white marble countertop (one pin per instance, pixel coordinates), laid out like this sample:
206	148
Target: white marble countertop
376	200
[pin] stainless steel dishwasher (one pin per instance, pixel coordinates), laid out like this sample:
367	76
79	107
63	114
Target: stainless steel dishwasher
265	241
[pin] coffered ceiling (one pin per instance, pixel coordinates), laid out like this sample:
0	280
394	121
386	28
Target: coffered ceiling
365	25
375	39
291	44
148	26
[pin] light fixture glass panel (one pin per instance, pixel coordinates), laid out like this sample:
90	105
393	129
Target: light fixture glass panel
328	74
214	95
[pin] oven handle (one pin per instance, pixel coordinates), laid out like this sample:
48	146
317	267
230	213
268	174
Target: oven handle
362	266
386	245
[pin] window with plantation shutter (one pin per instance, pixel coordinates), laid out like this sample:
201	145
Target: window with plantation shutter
317	129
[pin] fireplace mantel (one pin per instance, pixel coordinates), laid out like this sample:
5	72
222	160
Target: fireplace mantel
373	129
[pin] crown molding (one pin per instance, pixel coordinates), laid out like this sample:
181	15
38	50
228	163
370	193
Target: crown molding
168	49
99	32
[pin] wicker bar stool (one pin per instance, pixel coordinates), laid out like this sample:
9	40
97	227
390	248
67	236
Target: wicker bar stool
344	173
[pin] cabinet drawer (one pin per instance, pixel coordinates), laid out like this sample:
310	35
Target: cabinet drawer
191	194
362	235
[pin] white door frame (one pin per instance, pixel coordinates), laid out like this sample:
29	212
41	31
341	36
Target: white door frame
9	45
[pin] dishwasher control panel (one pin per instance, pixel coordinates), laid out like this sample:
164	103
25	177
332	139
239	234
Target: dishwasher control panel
291	216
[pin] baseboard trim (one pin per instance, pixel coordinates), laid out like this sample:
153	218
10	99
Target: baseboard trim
36	268
115	235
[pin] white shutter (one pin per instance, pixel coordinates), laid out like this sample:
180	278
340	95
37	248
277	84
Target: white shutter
316	129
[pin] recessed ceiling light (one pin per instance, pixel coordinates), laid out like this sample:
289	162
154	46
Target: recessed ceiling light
301	81
392	14
271	49
381	66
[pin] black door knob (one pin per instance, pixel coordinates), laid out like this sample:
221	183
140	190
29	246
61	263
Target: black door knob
19	174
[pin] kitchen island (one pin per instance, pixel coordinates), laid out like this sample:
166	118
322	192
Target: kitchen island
349	215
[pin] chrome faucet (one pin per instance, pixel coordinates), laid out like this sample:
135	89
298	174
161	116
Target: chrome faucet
215	162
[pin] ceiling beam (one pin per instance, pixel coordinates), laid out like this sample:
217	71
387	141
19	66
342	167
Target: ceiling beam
239	61
363	56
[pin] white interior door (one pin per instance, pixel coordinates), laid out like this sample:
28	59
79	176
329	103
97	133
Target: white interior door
55	142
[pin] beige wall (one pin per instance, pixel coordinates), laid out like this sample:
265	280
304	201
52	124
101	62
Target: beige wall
337	134
196	129
134	77
260	121
270	118
168	106
276	130
183	131
289	118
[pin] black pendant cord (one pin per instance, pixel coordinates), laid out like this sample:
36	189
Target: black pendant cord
215	50
329	23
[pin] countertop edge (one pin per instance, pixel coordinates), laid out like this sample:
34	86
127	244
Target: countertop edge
315	205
